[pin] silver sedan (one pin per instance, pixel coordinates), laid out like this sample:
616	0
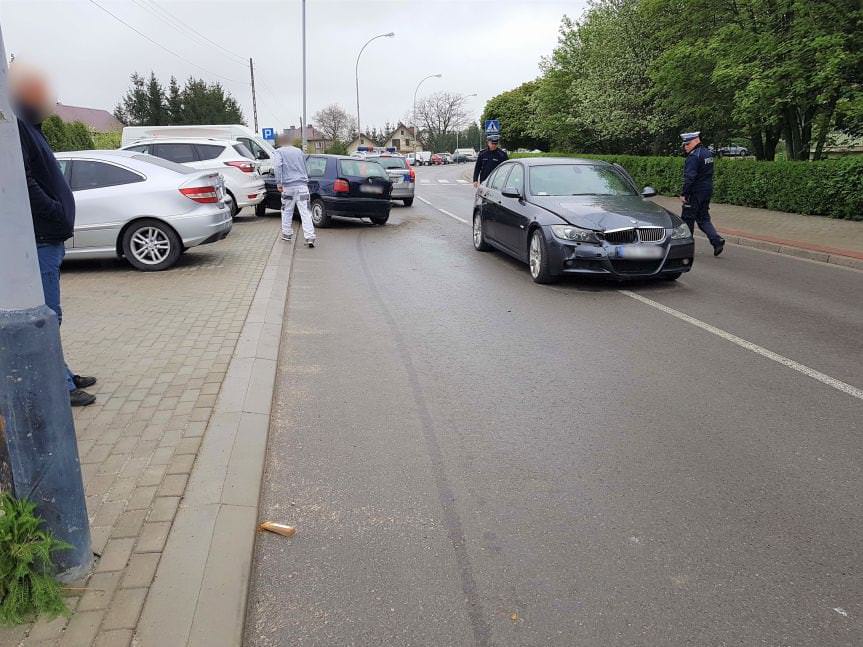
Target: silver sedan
142	208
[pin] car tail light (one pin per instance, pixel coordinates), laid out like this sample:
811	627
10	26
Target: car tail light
413	173
245	167
202	194
341	186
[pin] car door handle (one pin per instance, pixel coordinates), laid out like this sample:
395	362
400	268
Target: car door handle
521	226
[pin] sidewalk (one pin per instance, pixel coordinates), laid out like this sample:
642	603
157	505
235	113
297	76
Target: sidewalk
813	237
160	344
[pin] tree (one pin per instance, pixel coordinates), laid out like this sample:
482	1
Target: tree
335	123
63	136
156	108
174	103
79	137
133	109
517	114
439	115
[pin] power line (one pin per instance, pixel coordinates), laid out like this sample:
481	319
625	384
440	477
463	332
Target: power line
241	59
159	45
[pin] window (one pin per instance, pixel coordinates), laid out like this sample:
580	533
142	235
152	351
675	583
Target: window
392	162
209	151
316	166
243	150
407	142
88	174
496	181
258	152
361	168
64	168
403	132
396	143
577	179
144	148
180	153
516	178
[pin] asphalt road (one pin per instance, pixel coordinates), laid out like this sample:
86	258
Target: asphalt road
472	459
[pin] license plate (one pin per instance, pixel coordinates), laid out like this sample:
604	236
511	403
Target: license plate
640	251
397	179
371	188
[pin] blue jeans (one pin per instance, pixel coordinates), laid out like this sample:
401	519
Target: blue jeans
50	257
696	211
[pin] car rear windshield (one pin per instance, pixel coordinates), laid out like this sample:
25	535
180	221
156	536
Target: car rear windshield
168	164
392	162
362	168
577	179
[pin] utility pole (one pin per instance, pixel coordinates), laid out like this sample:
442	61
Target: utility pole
305	138
254	98
38	449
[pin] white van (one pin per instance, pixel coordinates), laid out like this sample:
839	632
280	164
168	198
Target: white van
261	148
423	158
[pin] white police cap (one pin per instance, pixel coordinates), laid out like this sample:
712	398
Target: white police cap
688	137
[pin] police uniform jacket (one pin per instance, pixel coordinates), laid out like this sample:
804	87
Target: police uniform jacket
486	162
698	173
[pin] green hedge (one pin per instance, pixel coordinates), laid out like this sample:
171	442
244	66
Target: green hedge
831	188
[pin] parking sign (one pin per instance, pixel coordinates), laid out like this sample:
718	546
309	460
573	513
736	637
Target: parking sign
268	133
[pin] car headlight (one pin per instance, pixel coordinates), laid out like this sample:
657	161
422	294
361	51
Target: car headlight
568	232
681	232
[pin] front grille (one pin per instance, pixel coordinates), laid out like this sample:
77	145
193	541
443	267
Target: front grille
651	234
620	236
635	267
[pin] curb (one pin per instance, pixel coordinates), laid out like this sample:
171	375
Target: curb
199	593
818	253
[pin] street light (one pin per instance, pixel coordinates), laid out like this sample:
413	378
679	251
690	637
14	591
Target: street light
468	96
357	73
414	119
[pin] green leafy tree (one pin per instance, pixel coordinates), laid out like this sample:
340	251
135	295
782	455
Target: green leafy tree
516	111
174	103
78	136
134	108
54	130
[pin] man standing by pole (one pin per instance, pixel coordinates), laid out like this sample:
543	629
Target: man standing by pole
698	188
37	435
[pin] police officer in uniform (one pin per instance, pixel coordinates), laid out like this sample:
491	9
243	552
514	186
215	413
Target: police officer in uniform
697	189
488	160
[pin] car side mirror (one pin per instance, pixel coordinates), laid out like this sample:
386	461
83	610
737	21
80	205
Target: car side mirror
648	192
511	192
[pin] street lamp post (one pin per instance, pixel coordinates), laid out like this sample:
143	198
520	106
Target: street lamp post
414	113
38	451
357	73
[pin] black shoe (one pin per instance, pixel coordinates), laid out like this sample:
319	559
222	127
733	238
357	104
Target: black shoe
717	249
82	382
310	242
79	398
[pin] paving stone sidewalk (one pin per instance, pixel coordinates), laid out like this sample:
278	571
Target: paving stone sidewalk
160	344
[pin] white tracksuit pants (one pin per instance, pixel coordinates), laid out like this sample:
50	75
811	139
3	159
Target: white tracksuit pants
297	196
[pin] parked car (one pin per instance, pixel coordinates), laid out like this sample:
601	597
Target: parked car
423	158
437	159
573	216
348	187
261	149
464	155
734	151
402	175
447	158
459	158
243	183
142	208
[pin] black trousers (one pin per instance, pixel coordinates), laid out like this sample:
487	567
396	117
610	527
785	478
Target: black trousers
696	211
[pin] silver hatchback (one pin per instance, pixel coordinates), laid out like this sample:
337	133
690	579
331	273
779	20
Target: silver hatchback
401	174
142	208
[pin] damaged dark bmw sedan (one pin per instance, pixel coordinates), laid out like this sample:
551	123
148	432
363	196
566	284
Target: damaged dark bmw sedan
566	216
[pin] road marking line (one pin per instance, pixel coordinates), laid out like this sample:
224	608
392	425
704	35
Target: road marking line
419	197
853	391
462	181
444	181
425	181
452	215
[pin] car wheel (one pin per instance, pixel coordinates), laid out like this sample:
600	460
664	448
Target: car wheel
478	238
319	214
672	276
380	220
232	205
408	201
538	259
151	246
261	209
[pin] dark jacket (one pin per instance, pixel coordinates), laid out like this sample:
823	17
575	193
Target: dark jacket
486	162
51	199
698	173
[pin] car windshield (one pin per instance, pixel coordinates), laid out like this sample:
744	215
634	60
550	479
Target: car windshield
392	162
362	168
577	179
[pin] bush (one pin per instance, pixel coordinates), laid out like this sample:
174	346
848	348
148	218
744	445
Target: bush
62	136
107	141
831	188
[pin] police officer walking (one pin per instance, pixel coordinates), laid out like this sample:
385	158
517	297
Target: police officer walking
488	160
697	189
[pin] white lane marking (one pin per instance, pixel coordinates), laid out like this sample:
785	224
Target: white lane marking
425	181
444	181
462	181
839	385
452	215
419	197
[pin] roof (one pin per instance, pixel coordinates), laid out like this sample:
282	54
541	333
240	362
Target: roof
312	133
410	129
182	140
541	161
98	153
101	121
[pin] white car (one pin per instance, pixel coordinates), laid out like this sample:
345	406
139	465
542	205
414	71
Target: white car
243	183
142	208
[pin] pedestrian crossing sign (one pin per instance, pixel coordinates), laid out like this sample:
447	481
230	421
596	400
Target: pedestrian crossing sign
492	127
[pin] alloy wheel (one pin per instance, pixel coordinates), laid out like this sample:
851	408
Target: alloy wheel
477	231
150	245
535	255
317	213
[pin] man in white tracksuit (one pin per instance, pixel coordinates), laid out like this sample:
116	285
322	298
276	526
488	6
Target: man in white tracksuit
292	180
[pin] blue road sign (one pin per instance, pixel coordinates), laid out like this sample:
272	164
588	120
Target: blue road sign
268	133
492	127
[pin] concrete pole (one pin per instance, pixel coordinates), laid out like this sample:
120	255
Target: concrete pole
254	96
305	136
38	449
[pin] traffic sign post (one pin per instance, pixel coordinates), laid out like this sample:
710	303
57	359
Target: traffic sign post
492	127
269	134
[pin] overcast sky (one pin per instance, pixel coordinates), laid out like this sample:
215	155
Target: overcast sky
478	45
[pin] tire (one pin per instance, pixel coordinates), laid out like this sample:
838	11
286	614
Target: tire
672	276
151	246
408	202
320	218
479	243
232	205
261	209
538	259
380	220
